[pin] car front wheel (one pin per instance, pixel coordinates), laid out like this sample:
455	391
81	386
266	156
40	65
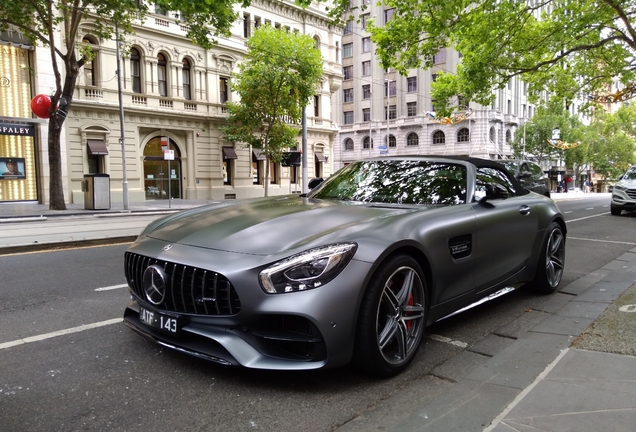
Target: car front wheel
616	211
551	261
392	317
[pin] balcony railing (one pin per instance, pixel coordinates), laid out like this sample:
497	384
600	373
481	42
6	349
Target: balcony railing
165	103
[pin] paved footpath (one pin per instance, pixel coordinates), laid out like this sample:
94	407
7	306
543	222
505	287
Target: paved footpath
554	376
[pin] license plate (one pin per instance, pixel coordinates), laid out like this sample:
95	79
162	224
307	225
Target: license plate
159	320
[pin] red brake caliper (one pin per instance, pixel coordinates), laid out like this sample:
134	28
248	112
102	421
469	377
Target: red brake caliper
411	302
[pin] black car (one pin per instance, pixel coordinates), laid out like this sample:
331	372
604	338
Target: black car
530	175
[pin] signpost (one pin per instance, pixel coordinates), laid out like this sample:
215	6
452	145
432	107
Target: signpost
168	155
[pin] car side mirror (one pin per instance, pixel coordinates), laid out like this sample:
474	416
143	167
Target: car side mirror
524	175
493	192
314	182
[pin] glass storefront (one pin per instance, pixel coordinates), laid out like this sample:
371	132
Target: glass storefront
17	133
162	178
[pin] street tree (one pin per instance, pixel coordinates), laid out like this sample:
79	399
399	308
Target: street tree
569	48
280	73
611	138
55	24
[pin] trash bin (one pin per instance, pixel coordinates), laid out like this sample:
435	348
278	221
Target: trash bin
96	191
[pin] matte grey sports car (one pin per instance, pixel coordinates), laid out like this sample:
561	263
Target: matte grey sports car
354	270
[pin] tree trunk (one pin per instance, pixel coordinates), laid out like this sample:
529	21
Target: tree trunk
266	176
56	187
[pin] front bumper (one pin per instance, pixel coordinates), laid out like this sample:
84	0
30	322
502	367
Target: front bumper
293	331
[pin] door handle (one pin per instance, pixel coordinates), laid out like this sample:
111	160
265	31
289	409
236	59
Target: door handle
524	210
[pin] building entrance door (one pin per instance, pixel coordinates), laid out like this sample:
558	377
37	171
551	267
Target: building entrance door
162	178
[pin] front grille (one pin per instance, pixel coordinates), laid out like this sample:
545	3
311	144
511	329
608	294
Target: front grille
631	193
190	290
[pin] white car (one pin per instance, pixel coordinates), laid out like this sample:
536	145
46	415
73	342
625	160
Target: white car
624	193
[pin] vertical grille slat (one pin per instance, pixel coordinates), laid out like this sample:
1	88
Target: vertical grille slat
191	290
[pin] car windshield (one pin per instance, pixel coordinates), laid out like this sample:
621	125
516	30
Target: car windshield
398	182
630	174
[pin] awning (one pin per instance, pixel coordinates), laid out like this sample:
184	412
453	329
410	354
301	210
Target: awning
96	147
258	155
229	153
320	157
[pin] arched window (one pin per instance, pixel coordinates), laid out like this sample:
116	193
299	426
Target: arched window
392	141
508	136
90	67
348	144
492	134
317	40
463	135
135	70
187	91
412	139
439	137
162	76
365	142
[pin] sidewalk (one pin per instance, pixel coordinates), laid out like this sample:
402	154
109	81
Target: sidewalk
545	371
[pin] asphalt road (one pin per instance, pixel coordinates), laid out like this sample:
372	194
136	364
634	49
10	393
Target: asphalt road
67	362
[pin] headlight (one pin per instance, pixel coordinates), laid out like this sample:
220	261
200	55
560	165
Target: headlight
620	188
307	270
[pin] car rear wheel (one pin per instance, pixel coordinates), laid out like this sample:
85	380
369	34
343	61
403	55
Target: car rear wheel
551	262
392	317
616	211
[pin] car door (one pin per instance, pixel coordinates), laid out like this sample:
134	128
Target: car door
506	228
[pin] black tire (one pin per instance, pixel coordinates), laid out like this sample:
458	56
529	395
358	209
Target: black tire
616	211
392	317
551	261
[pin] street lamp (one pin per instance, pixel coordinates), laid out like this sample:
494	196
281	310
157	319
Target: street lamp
122	140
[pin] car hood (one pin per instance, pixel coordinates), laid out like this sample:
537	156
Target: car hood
271	225
627	183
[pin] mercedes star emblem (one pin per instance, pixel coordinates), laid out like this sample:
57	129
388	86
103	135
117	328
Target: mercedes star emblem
155	284
167	247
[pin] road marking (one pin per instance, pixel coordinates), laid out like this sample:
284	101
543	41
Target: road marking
601	241
444	339
590	208
112	287
587	217
525	392
567	212
59	333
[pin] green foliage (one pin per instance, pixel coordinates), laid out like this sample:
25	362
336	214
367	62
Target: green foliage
276	80
569	48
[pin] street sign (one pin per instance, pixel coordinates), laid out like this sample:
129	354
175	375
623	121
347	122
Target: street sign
168	155
165	141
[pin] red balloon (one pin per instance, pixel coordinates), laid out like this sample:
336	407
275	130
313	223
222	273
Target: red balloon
40	105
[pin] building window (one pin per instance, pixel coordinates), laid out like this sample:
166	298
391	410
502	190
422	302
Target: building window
365	20
388	15
440	57
257	22
392	141
411	84
135	70
160	11
366	67
348	117
348	145
509	107
227	172
162	76
433	77
392	111
90	67
366	91
348	72
348	27
366	44
463	135
317	106
317	41
492	134
273	172
366	114
508	136
412	139
411	109
439	137
246	25
390	88
348	94
347	50
365	143
223	89
187	92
